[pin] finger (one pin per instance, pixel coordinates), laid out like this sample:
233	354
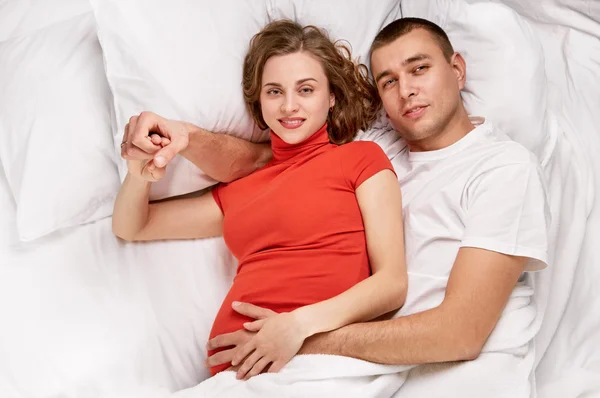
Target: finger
242	353
224	340
138	134
258	368
147	171
164	141
153	173
248	364
130	127
252	311
158	173
130	152
276	366
156	139
220	358
254	326
167	153
124	141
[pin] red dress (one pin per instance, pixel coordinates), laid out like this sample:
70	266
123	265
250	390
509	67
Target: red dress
295	226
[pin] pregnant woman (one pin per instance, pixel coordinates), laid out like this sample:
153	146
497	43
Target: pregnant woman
318	230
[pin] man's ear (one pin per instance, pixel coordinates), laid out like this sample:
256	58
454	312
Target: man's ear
460	69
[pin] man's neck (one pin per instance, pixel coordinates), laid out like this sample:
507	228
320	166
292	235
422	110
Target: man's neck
457	129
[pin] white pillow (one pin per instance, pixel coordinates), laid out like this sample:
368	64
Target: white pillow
55	112
356	21
183	60
175	59
506	79
20	17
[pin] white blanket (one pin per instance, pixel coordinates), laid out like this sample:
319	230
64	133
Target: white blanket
308	376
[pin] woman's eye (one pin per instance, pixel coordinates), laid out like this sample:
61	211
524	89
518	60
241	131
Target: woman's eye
273	92
306	90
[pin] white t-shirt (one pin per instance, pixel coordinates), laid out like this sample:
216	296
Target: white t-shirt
484	191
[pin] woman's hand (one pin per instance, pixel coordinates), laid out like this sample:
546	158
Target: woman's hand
279	338
145	169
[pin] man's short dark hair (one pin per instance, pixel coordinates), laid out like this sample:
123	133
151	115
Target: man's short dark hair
402	26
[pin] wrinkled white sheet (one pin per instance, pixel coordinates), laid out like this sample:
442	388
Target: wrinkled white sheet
316	376
85	315
568	345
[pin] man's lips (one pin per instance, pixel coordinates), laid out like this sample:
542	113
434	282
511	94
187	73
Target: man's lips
415	111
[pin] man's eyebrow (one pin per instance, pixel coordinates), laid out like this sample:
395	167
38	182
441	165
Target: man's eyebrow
407	61
382	74
415	58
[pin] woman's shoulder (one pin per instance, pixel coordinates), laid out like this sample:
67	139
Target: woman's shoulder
361	149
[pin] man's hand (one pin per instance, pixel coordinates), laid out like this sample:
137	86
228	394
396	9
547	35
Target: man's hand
149	136
146	169
236	339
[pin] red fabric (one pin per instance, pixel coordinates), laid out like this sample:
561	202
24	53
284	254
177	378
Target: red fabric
295	226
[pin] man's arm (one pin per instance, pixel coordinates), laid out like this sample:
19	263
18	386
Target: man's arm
221	156
479	287
224	157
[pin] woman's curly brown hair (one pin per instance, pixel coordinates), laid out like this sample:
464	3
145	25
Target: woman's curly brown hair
356	99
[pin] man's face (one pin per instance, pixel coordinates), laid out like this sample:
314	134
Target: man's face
419	88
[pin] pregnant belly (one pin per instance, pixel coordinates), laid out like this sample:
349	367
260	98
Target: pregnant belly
283	289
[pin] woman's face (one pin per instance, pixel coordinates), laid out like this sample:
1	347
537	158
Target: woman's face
295	97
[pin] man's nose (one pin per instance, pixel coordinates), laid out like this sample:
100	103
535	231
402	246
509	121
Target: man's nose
406	89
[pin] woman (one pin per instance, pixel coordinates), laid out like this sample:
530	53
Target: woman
318	230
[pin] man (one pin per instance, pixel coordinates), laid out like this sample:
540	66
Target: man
475	216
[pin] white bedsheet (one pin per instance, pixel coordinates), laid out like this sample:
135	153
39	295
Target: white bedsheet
569	342
571	364
86	315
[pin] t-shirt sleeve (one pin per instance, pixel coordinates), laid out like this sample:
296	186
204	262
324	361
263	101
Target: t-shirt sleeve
362	161
216	193
507	212
383	134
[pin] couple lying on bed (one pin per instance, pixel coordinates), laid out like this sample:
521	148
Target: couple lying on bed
317	223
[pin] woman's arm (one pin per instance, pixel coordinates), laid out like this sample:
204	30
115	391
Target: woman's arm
380	201
280	337
135	219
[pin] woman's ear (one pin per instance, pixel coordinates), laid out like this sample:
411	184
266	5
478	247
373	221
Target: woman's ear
331	100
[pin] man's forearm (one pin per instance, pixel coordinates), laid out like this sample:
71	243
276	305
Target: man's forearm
427	337
224	157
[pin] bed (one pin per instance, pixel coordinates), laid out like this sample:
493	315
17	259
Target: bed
87	315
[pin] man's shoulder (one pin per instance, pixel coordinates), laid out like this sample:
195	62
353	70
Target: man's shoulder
383	134
499	150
